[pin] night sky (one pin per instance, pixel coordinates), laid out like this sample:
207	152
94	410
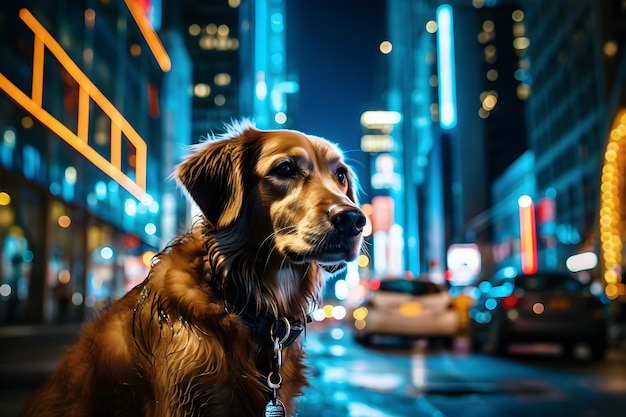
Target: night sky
332	46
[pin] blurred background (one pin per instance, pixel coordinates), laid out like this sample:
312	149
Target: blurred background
489	137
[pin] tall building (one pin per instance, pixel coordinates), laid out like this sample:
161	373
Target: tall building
576	74
453	80
212	38
87	121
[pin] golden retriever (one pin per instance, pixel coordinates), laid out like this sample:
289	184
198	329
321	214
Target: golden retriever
214	330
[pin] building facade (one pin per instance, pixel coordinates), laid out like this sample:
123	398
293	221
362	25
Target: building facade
576	73
85	151
451	152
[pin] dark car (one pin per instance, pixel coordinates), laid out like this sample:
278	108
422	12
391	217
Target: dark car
550	307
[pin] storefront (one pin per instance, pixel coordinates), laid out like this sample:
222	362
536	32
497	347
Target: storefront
60	262
84	158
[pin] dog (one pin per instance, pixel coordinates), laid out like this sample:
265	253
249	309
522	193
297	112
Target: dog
216	327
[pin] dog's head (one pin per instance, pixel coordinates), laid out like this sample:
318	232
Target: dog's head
283	190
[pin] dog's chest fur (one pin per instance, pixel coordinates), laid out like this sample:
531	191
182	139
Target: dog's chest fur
208	353
169	341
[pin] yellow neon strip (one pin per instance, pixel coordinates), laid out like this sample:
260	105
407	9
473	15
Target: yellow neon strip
83	114
79	76
141	165
38	50
611	225
152	39
116	145
87	89
68	136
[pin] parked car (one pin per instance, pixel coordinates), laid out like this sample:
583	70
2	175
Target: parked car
550	307
408	308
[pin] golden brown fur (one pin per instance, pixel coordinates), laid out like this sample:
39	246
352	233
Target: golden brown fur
279	215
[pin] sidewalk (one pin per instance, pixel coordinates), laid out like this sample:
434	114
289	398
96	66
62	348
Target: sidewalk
28	355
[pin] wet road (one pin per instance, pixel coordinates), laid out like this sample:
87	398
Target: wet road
412	379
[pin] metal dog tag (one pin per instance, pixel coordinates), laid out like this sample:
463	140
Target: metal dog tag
274	410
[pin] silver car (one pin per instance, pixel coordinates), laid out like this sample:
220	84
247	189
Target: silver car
408	308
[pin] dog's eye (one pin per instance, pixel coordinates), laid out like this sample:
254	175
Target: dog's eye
342	175
286	169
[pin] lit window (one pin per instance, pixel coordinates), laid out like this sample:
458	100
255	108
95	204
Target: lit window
385	47
106	253
9	138
523	91
201	90
519	30
211	29
483	37
70	175
135	49
610	48
280	118
150	228
222	79
27	122
521	43
490	102
488	25
90	18
207	42
64	221
223	30
219	100
130	207
492	75
194	30
5	199
477	4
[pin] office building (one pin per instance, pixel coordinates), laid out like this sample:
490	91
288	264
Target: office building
87	118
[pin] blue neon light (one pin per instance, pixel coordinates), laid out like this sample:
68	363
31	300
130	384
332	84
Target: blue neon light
445	67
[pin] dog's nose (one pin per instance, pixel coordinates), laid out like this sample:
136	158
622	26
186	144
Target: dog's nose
347	222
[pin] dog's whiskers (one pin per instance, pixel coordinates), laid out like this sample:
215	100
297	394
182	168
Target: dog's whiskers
270	239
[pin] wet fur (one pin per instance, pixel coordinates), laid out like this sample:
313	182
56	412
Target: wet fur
170	347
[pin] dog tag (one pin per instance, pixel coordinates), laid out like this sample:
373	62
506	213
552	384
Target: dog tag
274	410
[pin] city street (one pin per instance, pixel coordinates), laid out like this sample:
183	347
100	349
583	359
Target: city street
413	380
389	379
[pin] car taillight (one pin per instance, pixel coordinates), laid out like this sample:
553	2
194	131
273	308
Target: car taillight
509	301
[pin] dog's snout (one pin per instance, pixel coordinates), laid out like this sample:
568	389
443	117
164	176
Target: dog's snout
347	222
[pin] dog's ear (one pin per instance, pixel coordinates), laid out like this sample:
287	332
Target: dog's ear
212	175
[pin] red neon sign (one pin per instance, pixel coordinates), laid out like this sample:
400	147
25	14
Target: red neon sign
528	235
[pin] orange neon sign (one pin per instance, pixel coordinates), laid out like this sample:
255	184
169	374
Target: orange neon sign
152	39
528	235
87	93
